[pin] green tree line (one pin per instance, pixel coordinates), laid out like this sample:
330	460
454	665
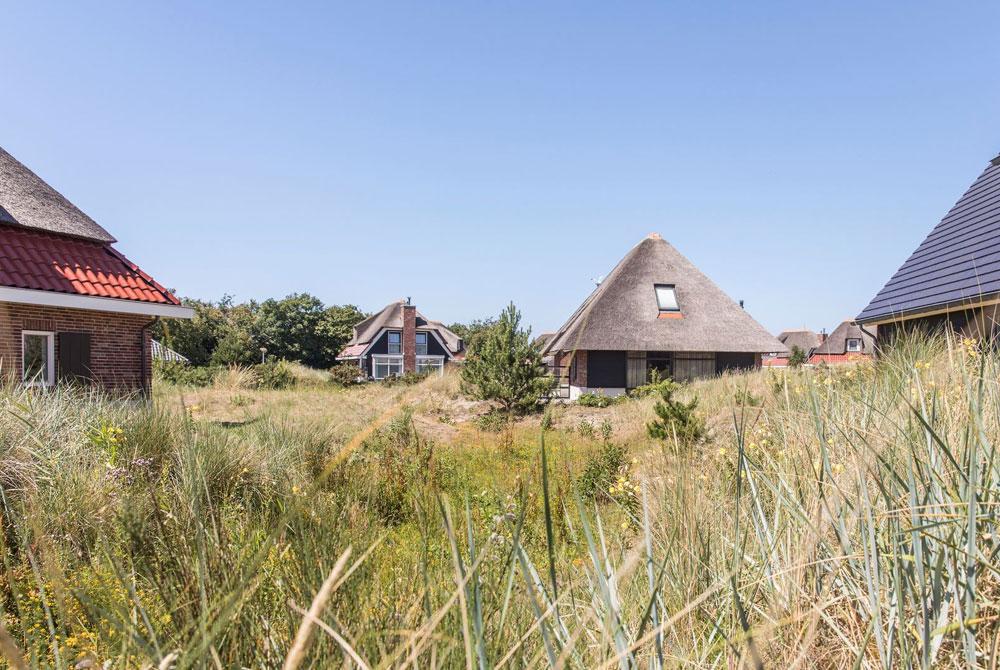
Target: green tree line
298	327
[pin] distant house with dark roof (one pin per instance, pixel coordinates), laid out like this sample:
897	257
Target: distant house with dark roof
847	343
165	354
72	307
953	278
399	339
655	311
804	339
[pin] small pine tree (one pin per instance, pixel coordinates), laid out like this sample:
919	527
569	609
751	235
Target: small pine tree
675	417
797	357
504	367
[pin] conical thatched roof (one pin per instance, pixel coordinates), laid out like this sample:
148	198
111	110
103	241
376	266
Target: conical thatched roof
622	313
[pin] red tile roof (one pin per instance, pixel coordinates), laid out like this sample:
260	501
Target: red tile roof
42	261
352	351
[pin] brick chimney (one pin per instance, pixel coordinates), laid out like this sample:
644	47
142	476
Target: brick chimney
822	336
409	338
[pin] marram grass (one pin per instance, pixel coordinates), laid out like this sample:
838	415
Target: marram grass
833	518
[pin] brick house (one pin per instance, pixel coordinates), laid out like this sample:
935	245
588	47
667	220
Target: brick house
72	308
399	339
654	311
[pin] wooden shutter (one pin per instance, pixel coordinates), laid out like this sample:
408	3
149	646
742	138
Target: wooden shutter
74	357
636	369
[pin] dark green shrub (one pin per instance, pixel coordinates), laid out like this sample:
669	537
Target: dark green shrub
656	382
493	421
406	379
675	419
598	400
743	397
547	420
183	374
274	375
346	374
602	469
797	357
606	430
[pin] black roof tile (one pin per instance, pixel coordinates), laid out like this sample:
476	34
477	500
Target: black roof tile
959	260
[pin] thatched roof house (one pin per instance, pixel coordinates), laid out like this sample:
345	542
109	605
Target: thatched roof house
398	339
656	311
804	339
952	280
847	343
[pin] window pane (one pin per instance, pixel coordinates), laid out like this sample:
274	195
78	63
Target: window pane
394	342
36	354
429	365
666	299
421	344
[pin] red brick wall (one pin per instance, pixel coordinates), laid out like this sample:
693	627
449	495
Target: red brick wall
409	338
115	350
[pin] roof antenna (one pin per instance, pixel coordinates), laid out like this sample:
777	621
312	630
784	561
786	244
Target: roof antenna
597	281
741	304
407	300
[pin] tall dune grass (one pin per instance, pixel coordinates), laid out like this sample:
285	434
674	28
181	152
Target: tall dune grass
834	518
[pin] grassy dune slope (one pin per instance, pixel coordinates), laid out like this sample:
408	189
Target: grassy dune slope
832	519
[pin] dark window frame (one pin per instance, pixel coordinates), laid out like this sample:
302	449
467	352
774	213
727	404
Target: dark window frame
397	346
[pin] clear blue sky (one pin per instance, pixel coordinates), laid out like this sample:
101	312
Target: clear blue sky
472	154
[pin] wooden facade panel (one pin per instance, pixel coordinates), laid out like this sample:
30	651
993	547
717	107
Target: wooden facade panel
74	357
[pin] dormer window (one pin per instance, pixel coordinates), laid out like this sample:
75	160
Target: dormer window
853	344
395	342
666	298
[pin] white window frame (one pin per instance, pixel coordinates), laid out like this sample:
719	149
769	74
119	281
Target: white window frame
673	292
389	343
857	342
382	359
431	361
417	336
50	358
